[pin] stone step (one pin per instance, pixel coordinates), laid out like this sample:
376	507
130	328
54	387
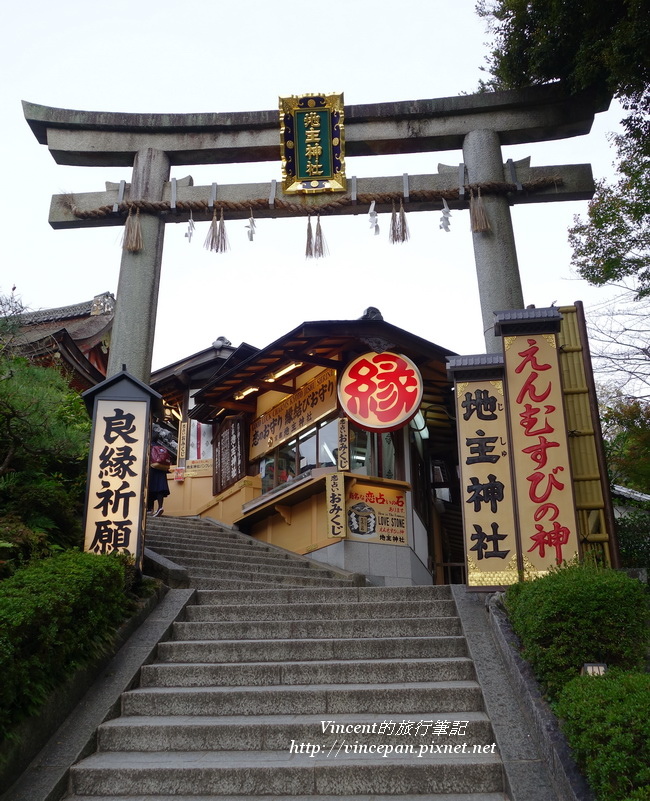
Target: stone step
321	611
225	547
261	674
225	651
315	699
275	732
225	542
281	797
217	583
243	570
319	595
235	544
280	772
318	629
207	534
227	556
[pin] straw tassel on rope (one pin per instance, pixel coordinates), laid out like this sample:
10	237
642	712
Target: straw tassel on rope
217	239
399	231
477	216
132	238
316	246
222	237
403	225
320	246
394	227
211	239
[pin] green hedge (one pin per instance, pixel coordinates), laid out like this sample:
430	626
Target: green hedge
55	615
578	614
607	723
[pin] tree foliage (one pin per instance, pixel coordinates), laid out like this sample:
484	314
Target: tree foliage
613	243
39	417
626	430
601	47
586	43
44	434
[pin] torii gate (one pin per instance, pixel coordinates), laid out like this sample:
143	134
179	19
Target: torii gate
151	143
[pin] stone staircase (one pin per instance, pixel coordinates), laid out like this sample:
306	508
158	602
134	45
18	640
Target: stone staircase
286	680
220	558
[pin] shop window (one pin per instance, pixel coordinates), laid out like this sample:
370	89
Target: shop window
376	454
328	444
419	482
315	447
371	454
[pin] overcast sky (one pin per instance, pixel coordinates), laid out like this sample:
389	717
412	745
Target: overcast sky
213	55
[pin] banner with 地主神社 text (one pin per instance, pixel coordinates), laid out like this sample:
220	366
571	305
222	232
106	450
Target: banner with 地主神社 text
487	488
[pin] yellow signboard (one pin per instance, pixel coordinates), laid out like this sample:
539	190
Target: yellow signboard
306	406
488	508
343	455
546	506
195	468
335	505
182	442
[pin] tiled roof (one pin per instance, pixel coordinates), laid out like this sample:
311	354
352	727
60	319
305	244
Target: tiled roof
100	304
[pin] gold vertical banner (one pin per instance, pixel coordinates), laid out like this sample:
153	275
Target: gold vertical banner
540	453
488	502
117	477
343	454
335	505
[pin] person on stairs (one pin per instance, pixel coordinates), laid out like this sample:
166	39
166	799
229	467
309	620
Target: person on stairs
159	466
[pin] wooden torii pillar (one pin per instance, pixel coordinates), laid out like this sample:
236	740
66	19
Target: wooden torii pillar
151	143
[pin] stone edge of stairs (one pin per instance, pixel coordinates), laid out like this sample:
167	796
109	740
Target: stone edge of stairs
570	783
527	751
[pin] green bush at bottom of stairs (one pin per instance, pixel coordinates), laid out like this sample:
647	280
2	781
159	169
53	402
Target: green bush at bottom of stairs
606	720
56	614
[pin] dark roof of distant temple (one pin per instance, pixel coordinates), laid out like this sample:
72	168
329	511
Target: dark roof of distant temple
76	337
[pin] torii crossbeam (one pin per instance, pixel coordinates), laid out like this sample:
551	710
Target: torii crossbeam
151	143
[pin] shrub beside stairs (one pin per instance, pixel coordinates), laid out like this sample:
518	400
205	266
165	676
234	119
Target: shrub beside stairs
287	680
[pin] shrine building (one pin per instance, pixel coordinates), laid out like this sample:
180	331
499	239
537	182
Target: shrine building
266	445
381	453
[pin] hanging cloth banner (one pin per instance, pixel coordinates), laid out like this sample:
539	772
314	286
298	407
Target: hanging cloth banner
312	144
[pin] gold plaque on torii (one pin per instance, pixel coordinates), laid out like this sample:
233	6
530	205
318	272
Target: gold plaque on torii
312	144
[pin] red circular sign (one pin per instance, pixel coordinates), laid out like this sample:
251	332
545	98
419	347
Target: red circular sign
380	391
